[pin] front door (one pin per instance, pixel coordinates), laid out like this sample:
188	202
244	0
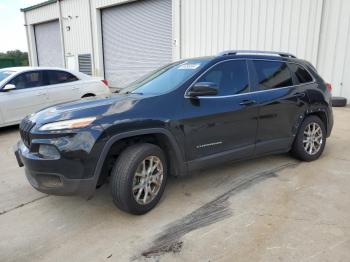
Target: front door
29	96
223	126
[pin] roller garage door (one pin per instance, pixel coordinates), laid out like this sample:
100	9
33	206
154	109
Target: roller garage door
136	39
48	44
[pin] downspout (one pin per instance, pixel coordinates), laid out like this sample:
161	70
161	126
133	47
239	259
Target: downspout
320	34
28	42
176	30
92	42
180	30
62	36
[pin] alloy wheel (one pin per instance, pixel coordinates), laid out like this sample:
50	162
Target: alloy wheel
147	180
313	138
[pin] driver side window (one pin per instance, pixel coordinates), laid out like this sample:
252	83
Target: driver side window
28	80
231	77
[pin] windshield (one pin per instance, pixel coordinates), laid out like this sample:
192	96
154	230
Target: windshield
4	74
166	78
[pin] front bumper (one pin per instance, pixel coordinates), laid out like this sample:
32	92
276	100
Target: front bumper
39	175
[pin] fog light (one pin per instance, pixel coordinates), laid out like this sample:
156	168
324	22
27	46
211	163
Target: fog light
49	180
48	151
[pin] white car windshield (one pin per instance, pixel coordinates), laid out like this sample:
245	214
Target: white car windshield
5	74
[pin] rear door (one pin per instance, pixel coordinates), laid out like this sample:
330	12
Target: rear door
281	102
29	96
222	126
62	86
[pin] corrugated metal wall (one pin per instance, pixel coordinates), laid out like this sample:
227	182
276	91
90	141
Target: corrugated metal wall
42	14
76	28
334	52
317	30
209	26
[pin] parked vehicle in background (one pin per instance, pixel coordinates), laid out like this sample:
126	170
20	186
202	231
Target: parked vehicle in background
185	116
25	90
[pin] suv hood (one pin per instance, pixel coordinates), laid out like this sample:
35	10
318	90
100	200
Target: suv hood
84	108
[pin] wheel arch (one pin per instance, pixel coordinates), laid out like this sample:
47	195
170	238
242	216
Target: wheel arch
319	112
164	138
88	95
322	114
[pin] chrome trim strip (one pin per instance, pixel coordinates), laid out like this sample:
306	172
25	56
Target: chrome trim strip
260	91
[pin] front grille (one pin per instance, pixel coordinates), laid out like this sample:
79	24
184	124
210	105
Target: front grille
24	129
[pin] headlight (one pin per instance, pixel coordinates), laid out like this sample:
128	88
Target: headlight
68	124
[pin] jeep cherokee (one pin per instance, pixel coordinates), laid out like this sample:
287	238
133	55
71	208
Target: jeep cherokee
184	116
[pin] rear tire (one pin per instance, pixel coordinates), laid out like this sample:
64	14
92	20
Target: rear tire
138	178
310	140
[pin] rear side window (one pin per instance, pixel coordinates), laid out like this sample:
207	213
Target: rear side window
301	74
60	77
272	74
231	77
28	80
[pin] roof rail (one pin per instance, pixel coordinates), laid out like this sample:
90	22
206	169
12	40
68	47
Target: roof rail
255	52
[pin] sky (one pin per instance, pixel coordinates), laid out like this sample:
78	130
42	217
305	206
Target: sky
12	32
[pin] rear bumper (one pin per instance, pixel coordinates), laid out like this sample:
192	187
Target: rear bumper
51	182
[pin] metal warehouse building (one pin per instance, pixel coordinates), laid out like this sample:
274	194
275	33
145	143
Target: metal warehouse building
122	40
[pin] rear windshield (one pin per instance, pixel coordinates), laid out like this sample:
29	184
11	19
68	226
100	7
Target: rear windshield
166	78
4	74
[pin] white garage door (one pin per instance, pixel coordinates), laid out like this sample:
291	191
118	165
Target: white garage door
136	39
48	44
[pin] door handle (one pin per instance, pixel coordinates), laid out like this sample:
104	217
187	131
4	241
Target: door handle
40	94
247	102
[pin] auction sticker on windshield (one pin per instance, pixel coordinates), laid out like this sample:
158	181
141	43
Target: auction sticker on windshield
189	66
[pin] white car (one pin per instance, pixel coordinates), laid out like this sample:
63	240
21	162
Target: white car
25	90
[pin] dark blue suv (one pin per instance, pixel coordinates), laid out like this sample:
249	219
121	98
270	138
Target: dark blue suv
184	116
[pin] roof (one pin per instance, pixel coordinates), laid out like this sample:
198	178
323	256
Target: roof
20	69
32	7
256	52
28	68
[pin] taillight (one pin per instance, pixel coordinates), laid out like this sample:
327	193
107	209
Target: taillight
329	87
105	82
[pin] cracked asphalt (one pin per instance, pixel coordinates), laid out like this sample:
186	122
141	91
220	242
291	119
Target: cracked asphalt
268	209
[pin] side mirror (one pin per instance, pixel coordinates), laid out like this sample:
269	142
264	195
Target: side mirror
8	87
203	89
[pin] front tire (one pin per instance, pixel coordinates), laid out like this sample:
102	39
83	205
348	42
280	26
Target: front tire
310	140
138	178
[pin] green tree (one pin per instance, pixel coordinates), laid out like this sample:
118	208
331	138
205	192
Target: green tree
18	57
